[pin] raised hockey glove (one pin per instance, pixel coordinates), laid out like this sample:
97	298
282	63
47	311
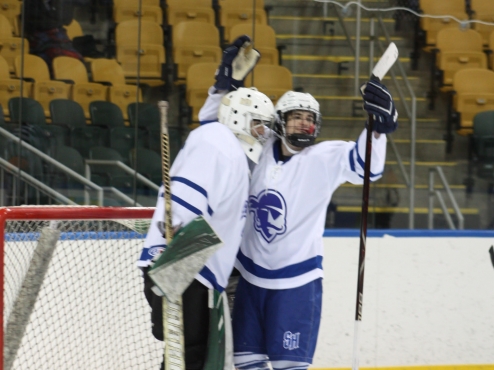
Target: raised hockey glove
379	102
236	64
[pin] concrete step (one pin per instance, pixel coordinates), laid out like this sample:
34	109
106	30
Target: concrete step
329	25
348	128
425	149
343	105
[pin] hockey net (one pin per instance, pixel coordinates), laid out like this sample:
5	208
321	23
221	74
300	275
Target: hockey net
72	294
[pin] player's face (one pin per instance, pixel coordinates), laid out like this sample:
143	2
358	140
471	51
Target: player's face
257	128
300	122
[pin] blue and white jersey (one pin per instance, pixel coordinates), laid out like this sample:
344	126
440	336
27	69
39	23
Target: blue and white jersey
282	246
210	177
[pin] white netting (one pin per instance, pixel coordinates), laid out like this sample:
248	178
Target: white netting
90	312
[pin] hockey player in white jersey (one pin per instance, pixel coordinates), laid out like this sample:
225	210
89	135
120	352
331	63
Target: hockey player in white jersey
210	177
277	308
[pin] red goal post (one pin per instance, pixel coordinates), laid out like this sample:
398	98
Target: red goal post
72	294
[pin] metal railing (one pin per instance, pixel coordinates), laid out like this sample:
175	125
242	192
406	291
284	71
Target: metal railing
29	180
411	113
61	167
127	169
436	193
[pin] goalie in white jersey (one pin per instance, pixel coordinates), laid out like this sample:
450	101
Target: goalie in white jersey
210	177
277	308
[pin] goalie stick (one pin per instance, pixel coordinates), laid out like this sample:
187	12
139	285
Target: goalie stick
382	67
173	326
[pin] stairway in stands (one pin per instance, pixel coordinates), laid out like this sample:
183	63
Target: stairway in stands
322	63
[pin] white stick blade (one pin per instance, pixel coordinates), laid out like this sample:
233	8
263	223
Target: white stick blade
386	62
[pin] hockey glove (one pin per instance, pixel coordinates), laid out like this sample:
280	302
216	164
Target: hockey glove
379	102
236	64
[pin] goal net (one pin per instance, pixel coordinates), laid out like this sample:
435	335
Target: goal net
72	294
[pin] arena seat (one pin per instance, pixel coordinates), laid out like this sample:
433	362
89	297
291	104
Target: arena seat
195	42
9	88
74	72
272	80
264	40
233	12
473	92
124	10
151	51
109	72
189	10
483	10
43	88
10	46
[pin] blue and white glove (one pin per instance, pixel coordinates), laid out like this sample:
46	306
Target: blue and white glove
236	64
379	102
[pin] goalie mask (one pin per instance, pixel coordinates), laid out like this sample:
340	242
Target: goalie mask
247	112
296	101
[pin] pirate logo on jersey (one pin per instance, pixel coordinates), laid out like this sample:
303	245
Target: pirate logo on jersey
269	210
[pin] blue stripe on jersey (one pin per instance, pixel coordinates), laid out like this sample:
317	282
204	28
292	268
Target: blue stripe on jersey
290	271
184	204
194	186
207	121
360	162
207	274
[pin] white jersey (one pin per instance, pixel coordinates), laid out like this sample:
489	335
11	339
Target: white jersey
210	177
282	246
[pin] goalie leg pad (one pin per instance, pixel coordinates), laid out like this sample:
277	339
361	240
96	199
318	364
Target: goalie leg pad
195	316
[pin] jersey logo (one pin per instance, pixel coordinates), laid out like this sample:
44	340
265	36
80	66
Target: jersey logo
269	209
291	340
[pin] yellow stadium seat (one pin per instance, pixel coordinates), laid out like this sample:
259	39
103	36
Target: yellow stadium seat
432	26
195	42
74	72
200	77
43	89
151	51
144	2
458	49
189	10
234	12
10	46
11	9
74	29
474	93
483	10
9	88
125	10
108	71
264	40
271	80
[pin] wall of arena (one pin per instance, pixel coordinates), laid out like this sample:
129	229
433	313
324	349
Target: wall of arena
428	301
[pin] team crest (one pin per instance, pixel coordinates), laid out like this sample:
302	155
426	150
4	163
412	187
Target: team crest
269	209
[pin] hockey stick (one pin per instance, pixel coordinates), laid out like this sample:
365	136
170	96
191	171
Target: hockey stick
381	68
173	326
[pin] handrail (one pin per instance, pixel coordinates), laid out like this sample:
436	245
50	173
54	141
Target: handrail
121	165
412	116
122	196
439	196
57	164
35	182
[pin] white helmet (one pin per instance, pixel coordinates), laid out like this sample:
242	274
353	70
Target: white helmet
293	100
238	109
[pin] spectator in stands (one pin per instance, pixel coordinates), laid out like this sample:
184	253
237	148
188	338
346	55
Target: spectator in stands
44	21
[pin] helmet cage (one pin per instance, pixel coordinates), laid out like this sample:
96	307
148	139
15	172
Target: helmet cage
242	107
293	101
